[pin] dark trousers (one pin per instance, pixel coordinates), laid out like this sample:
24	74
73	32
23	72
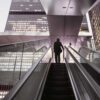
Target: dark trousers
57	58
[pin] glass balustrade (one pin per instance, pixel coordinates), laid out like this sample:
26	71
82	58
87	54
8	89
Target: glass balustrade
15	62
32	80
91	56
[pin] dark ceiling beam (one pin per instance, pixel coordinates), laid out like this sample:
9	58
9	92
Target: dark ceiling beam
27	13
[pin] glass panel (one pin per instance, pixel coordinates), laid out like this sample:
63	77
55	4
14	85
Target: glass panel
69	57
33	82
16	60
91	56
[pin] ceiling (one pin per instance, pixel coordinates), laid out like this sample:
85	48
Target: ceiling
65	18
66	7
64	27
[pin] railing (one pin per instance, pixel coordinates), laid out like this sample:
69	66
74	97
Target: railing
31	84
72	80
90	52
16	60
18	46
91	55
92	69
84	85
83	59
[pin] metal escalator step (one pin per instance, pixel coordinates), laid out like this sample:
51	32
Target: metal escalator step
58	90
57	74
58	68
58	85
58	78
58	71
59	97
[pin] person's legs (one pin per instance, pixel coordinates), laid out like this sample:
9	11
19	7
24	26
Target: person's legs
55	57
58	58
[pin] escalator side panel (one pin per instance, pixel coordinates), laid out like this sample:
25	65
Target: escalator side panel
83	86
92	72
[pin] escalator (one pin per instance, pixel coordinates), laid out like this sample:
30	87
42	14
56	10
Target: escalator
51	81
86	76
92	72
58	86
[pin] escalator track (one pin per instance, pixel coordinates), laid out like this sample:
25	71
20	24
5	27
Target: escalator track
58	86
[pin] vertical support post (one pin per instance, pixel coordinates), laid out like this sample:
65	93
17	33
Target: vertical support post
21	61
14	67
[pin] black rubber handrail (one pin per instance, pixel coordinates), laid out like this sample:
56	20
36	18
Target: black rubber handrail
73	83
21	82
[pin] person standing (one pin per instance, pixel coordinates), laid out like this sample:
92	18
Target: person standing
58	47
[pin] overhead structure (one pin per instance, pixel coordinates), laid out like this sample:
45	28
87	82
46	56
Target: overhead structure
65	17
66	7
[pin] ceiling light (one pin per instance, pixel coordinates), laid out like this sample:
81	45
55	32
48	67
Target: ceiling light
63	7
71	7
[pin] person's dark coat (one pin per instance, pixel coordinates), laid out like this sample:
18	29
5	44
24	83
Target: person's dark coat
57	47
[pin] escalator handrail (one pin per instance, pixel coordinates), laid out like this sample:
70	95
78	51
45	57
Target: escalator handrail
77	93
20	42
97	69
21	82
89	79
74	86
89	50
43	81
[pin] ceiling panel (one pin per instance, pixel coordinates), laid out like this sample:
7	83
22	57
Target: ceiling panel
64	27
56	25
58	7
72	25
66	7
74	8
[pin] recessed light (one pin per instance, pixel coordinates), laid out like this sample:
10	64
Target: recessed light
30	5
63	7
21	5
71	7
27	8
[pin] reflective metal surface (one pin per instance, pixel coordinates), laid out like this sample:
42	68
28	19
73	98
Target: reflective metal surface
66	27
66	7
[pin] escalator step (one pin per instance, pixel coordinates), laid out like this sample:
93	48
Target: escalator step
58	85
57	73
59	97
58	90
58	78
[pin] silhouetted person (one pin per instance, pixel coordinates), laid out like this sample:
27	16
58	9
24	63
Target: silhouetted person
58	49
69	45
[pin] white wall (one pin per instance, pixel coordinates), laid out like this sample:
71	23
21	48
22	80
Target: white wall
4	11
